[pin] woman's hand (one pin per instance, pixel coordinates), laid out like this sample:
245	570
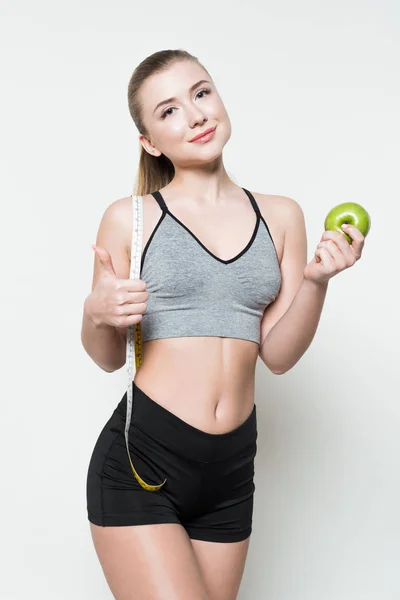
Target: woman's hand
334	254
113	301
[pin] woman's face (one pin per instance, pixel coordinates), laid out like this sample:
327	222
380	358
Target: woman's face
193	110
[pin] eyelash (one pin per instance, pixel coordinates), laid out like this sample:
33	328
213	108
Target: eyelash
165	115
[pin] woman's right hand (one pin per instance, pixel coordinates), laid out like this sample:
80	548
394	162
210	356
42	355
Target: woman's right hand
113	301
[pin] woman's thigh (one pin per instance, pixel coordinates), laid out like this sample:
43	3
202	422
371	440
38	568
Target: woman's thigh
144	562
222	566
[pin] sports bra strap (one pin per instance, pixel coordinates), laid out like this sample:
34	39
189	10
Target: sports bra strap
160	201
253	202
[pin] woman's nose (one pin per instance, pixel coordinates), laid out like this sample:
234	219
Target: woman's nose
197	117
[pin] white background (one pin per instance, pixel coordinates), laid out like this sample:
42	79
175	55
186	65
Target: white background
312	89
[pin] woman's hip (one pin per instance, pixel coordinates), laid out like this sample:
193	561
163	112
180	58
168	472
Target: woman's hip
201	469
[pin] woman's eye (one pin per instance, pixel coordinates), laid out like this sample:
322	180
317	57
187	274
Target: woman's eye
165	114
206	91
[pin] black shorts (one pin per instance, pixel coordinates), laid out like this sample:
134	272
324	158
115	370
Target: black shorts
210	477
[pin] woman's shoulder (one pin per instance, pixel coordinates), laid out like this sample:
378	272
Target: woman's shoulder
276	202
281	208
278	212
119	209
117	219
119	213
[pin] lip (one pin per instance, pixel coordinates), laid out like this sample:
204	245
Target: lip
203	135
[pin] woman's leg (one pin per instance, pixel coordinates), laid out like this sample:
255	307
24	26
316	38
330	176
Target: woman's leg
222	566
144	562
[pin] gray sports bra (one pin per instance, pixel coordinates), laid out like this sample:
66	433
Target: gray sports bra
192	292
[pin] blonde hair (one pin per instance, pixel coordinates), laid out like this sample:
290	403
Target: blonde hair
154	172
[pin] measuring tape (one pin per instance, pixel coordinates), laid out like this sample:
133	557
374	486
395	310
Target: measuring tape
134	332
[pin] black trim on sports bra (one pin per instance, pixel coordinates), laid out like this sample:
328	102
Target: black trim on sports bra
253	201
160	200
272	239
150	238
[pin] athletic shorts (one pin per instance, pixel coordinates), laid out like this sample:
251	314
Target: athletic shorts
209	485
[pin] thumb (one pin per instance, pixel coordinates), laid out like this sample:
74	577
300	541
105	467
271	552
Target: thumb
105	260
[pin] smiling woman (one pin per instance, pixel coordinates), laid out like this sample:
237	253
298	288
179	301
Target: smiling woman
223	281
209	269
163	118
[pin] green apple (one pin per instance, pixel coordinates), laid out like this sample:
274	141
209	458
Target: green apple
348	212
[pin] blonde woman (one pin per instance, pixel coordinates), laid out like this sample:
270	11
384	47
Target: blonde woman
224	280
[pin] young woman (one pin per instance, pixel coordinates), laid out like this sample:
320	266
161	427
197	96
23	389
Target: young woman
224	280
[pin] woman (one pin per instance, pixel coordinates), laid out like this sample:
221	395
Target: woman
224	280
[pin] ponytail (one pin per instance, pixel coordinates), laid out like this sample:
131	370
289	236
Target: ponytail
154	173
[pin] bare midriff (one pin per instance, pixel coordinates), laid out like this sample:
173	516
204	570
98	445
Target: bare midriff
207	382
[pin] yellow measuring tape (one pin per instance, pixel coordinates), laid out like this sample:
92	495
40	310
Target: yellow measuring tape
134	345
138	346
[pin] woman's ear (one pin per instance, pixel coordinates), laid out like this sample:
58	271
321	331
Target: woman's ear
149	146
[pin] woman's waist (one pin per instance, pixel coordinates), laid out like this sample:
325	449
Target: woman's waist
208	382
152	423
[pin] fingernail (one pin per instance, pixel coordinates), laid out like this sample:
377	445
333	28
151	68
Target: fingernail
345	225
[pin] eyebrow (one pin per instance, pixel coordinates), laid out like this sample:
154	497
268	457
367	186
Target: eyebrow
191	89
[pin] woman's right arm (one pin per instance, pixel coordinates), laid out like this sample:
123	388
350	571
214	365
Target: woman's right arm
105	343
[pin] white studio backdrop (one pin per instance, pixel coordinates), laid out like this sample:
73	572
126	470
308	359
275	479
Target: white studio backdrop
312	89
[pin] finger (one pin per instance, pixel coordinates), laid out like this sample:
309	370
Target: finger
135	308
343	259
317	255
136	297
126	297
343	244
105	260
339	239
353	232
339	260
125	321
358	239
132	285
325	258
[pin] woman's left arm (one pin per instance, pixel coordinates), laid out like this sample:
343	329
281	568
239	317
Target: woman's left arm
289	324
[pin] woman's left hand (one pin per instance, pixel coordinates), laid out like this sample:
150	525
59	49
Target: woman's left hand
334	254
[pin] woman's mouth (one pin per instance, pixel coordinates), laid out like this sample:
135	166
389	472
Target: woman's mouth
205	137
